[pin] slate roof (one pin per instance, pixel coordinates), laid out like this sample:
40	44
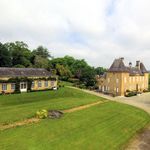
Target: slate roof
119	66
24	72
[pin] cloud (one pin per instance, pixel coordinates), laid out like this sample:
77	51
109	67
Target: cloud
96	30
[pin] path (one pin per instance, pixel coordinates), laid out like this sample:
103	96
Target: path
82	107
36	120
19	123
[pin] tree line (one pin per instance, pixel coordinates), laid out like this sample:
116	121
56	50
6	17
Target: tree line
17	54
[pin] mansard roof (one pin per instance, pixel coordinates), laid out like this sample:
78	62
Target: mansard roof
119	66
24	72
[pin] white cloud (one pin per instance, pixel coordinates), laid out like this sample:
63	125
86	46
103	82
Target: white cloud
96	30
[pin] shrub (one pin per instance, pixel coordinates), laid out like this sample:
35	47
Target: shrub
42	114
145	90
73	80
61	84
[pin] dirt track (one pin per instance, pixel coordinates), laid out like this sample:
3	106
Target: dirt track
36	120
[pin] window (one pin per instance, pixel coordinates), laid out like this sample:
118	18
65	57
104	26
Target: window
130	79
117	90
125	79
117	80
46	83
52	83
108	88
133	79
13	86
33	84
4	87
108	80
39	84
23	85
137	79
143	85
114	89
143	78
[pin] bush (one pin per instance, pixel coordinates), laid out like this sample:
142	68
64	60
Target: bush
73	80
145	90
42	114
82	86
61	84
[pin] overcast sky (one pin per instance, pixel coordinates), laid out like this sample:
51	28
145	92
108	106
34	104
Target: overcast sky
96	30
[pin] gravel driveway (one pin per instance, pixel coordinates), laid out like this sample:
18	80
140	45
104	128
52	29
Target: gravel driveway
142	101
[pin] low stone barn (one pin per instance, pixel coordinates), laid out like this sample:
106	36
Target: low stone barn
25	79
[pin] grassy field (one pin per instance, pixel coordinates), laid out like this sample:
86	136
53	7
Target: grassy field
106	126
21	106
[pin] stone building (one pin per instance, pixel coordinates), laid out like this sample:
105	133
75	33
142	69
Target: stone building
120	78
25	79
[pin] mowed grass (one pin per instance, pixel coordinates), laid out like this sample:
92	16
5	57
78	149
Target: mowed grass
107	126
21	106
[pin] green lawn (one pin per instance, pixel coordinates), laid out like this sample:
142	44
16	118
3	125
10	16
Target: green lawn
20	106
107	126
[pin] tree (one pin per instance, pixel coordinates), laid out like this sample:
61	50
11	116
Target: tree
63	72
42	52
40	62
88	76
78	67
5	57
20	54
100	70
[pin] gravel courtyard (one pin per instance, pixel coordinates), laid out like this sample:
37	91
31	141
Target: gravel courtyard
142	101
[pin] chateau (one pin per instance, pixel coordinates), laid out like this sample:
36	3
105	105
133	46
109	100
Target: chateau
120	78
25	79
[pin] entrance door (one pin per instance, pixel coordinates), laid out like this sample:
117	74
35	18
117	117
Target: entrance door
23	86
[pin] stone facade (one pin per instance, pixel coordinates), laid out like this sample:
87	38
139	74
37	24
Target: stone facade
120	78
41	79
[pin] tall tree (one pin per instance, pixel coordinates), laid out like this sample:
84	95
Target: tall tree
63	72
42	52
78	67
20	54
40	62
5	57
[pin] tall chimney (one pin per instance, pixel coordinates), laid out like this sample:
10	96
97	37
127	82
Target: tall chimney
130	64
138	64
122	58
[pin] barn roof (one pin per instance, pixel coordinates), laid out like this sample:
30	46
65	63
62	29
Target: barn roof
24	72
